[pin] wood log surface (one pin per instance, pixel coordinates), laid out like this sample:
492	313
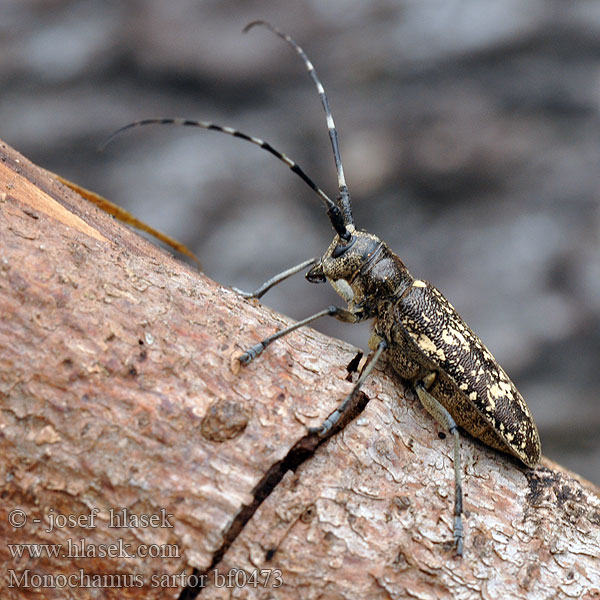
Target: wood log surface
120	396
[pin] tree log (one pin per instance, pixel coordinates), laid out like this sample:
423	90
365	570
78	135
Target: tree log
135	448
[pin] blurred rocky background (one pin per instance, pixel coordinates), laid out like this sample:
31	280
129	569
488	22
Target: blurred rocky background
470	132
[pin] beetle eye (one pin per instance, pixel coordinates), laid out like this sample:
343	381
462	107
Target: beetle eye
342	248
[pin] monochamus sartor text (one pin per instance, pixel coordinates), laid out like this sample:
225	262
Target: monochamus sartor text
417	330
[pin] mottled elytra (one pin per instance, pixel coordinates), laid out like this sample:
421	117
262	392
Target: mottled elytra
454	375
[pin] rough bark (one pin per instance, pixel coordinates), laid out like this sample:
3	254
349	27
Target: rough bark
118	390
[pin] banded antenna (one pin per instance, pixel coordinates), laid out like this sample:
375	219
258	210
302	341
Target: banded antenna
333	210
343	194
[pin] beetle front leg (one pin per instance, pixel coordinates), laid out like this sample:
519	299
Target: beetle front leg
444	418
267	285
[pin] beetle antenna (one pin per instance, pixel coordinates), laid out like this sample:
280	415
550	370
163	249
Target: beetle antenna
333	210
344	195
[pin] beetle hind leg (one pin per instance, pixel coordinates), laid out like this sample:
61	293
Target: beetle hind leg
444	418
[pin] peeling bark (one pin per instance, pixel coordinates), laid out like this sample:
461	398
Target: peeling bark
117	392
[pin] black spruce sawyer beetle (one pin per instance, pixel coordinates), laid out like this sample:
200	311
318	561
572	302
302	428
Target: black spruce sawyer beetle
456	378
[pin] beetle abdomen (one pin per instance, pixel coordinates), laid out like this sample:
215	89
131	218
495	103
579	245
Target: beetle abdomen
427	334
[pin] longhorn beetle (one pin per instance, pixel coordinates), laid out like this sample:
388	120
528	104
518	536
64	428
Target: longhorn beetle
455	376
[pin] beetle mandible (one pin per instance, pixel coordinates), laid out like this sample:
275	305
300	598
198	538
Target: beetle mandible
426	341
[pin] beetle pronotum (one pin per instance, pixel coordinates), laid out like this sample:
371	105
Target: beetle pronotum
455	377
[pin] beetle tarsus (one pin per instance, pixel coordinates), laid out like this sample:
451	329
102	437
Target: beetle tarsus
458	534
249	355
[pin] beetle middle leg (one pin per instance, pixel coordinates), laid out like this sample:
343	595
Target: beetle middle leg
334	417
343	315
444	418
331	311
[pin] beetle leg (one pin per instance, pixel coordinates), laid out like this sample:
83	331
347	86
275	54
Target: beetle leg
334	417
331	311
444	418
265	287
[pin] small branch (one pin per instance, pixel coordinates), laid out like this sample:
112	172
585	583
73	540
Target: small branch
117	392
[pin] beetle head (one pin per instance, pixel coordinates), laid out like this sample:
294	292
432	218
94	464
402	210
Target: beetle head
344	260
